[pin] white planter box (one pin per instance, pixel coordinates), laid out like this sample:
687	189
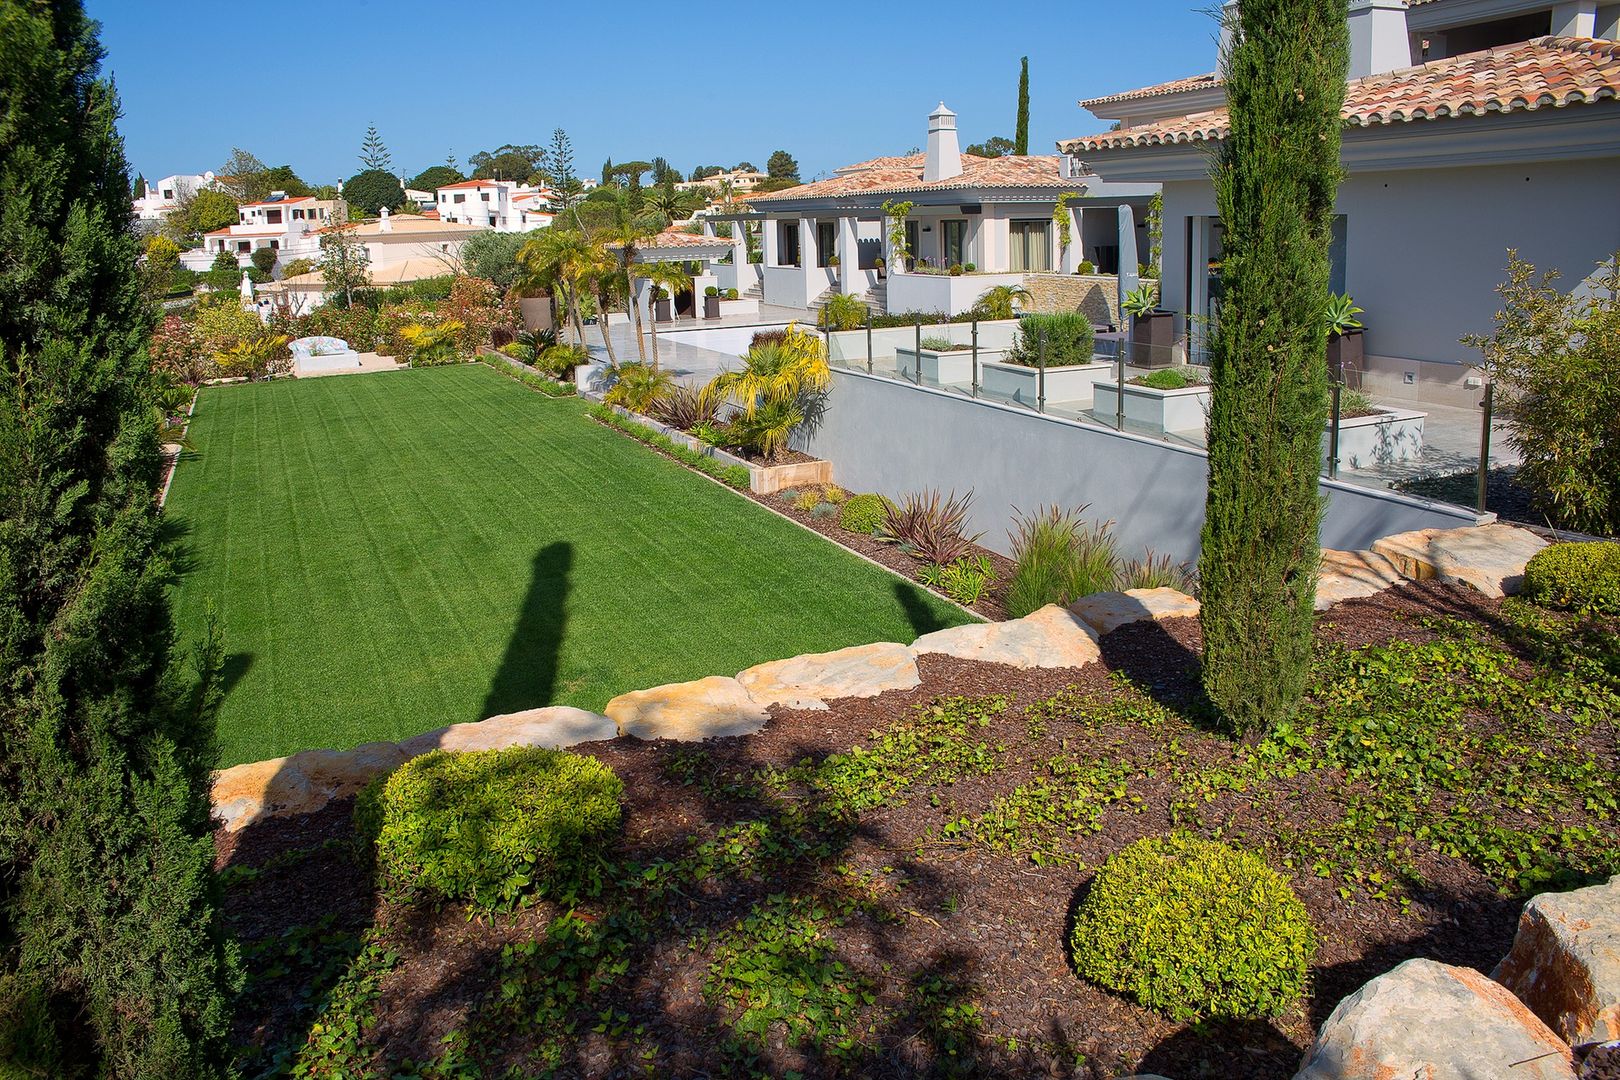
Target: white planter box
1070	385
1157	410
739	307
1387	437
941	368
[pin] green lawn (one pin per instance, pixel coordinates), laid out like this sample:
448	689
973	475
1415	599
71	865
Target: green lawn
389	553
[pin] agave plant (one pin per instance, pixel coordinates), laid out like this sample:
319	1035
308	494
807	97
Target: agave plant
930	526
1140	301
1002	301
1341	314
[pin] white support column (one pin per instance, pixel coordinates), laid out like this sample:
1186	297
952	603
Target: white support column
1075	252
1575	19
769	230
739	247
807	245
849	257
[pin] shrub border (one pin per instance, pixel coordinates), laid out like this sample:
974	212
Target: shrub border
733	476
533	380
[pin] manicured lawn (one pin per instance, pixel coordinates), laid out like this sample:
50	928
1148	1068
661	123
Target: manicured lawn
390	553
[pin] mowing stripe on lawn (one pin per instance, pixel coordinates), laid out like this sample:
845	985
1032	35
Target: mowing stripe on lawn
389	554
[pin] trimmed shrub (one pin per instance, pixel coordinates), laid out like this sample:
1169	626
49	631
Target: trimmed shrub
1582	577
1069	338
491	826
1194	929
863	513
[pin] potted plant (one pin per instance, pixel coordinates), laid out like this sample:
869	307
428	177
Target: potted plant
711	302
832	261
970	268
881	266
661	304
731	294
1153	330
1344	345
1085	268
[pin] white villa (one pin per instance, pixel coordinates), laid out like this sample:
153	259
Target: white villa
502	205
161	198
399	247
739	181
285	224
1471	127
987	221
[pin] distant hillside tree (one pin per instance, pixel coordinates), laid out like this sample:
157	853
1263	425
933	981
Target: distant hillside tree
781	166
373	189
507	162
374	154
434	177
993	147
113	956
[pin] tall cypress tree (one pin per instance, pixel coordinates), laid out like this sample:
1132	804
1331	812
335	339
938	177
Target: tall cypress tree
1021	130
112	962
1275	180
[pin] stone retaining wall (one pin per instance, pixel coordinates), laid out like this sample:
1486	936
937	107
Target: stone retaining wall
1095	294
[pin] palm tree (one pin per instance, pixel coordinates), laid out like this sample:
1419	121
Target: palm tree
623	235
670	276
673	205
605	280
559	259
998	301
774	390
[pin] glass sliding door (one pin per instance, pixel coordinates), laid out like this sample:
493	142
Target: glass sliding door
826	242
1030	246
953	235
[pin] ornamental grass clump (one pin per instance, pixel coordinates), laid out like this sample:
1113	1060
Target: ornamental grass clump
1058	558
1583	577
491	827
1194	929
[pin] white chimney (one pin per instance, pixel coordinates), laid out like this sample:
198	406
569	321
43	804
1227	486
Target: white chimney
1379	42
944	156
383	224
1229	29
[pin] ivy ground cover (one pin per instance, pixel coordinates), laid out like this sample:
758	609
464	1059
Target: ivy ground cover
387	554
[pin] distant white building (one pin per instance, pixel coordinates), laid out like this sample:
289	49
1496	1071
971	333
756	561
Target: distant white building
285	224
502	205
161	198
399	248
740	181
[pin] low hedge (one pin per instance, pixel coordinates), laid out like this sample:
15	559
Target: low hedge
863	513
733	476
491	826
1195	929
532	379
1583	577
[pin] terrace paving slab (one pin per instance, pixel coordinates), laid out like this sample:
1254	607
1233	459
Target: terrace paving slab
1349	575
1053	637
1488	558
810	681
1107	612
711	708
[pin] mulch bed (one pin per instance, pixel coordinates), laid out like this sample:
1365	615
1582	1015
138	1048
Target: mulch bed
992	924
992	605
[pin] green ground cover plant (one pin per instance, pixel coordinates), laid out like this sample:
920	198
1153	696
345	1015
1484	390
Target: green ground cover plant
388	554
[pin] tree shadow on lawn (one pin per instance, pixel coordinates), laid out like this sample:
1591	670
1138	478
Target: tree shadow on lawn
527	676
923	617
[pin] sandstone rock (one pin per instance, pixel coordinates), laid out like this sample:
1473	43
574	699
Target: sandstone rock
243	794
1052	637
1437	1022
1489	558
692	711
1347	575
810	681
339	773
1107	612
557	727
1565	962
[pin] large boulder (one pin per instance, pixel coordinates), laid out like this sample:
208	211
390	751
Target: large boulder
1052	637
709	708
1489	558
1349	575
1107	612
1435	1022
810	681
556	727
243	794
1565	962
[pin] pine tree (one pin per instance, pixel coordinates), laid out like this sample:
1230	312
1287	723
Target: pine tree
1021	129
138	189
112	959
1275	181
373	154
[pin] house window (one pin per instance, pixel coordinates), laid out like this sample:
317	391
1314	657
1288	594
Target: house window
275	245
461	198
953	235
492	221
272	217
1336	251
244	246
787	253
1030	249
168	193
826	242
914	237
484	195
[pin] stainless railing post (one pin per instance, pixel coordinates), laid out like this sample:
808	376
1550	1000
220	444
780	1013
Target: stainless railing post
916	357
975	356
1333	434
1485	446
1040	378
869	341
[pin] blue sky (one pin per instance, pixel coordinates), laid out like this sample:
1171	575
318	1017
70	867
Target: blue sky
296	81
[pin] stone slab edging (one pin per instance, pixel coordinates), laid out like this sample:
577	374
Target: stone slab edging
720	706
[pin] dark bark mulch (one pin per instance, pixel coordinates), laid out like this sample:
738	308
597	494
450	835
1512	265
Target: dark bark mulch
989	925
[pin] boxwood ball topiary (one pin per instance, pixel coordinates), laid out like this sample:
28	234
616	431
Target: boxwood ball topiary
863	513
491	826
1195	929
1583	577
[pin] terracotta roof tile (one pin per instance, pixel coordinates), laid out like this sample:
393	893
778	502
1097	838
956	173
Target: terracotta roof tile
1030	171
1175	86
1545	72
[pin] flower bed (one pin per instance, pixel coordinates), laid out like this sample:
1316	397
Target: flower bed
763	479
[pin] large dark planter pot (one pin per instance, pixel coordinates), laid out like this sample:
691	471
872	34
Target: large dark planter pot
661	310
711	307
1152	336
1345	353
